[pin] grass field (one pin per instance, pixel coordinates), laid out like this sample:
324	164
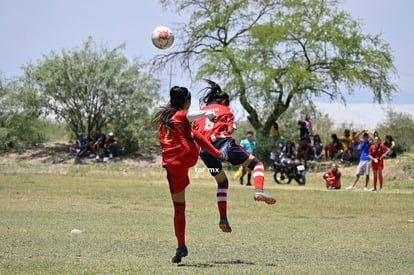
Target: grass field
125	213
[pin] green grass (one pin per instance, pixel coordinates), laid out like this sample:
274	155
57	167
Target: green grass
125	213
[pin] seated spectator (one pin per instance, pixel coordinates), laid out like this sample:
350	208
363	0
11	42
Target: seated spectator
288	152
333	149
389	142
317	146
99	144
81	147
347	141
272	157
333	177
305	151
111	146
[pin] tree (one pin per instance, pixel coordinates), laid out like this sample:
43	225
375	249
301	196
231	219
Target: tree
268	53
20	125
94	87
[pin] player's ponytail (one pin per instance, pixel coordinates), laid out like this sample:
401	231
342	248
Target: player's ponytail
178	97
214	93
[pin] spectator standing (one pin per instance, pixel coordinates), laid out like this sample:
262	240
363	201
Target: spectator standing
275	132
347	141
303	131
355	147
377	152
249	145
308	125
364	165
333	177
389	142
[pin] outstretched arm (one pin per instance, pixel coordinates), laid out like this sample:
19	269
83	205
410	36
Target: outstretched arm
193	115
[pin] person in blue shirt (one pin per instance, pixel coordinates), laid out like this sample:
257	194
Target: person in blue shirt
81	147
249	145
364	165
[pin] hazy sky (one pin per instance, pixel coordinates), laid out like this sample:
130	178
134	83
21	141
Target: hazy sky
32	28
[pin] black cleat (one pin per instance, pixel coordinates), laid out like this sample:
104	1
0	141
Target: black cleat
224	225
179	253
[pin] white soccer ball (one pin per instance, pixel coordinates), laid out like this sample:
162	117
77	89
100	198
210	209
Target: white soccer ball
75	231
162	37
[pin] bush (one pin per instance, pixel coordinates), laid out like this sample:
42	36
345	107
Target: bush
401	127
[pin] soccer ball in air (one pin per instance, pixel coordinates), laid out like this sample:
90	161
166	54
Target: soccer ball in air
162	37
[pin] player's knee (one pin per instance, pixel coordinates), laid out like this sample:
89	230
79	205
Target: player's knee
253	163
223	183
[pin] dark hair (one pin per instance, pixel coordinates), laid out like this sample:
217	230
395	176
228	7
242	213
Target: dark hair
389	137
178	97
250	132
214	93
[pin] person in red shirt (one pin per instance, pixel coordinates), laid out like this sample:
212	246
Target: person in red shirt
219	134
377	152
333	177
180	147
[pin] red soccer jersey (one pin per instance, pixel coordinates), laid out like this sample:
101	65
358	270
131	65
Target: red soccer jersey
217	130
178	141
377	153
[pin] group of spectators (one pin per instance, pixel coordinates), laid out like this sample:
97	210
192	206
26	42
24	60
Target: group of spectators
99	147
343	148
347	147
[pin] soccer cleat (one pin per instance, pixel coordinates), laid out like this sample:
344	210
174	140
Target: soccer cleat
261	196
373	189
350	187
365	188
380	189
224	225
179	253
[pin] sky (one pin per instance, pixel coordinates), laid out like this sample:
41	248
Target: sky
30	29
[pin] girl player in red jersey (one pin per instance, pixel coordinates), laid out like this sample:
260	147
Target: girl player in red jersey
179	143
219	134
377	152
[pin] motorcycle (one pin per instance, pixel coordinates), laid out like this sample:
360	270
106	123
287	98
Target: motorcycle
285	170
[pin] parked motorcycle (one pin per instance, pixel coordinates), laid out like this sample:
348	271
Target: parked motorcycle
285	170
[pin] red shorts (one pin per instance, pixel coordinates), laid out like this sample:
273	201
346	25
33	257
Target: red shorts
177	171
377	165
335	183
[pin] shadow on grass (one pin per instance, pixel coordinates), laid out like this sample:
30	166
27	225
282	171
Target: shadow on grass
218	263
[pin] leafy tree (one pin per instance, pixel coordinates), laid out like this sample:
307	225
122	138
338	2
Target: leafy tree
268	53
94	87
20	125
